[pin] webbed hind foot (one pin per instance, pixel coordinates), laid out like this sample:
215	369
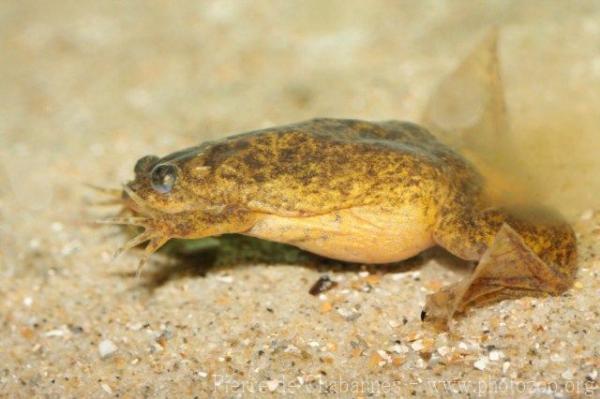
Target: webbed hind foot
508	269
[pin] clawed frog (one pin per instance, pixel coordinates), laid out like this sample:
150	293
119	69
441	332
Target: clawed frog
358	191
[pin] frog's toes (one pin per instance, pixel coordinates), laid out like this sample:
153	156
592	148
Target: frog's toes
113	192
508	269
441	305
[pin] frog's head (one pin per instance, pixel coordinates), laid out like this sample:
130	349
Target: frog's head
160	186
161	200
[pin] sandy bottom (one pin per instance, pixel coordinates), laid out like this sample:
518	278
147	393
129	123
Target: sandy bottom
87	88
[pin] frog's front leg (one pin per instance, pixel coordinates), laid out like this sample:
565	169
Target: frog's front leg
540	260
160	227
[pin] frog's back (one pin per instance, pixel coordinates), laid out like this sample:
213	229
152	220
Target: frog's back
321	165
397	136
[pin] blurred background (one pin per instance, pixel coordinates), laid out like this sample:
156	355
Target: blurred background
89	87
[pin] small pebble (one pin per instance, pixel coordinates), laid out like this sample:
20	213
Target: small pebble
481	364
324	283
443	350
555	357
272	385
56	227
156	347
56	333
400	276
326	307
106	388
225	279
292	349
567	374
383	354
348	314
393	323
505	367
135	326
398	348
69	248
496	355
106	348
417	345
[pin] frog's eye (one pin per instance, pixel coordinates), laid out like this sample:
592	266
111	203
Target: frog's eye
144	164
163	177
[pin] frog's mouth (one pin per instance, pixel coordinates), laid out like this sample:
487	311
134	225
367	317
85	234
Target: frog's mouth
136	212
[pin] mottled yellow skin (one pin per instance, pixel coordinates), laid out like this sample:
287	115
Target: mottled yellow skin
359	191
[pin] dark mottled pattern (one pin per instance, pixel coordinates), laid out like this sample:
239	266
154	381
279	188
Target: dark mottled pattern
323	165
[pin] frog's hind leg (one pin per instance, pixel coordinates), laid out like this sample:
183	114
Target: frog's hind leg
508	269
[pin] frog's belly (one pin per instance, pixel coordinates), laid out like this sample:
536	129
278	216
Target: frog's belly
362	234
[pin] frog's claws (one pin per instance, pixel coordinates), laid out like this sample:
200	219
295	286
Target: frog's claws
134	242
107	202
154	244
508	269
111	191
114	195
151	234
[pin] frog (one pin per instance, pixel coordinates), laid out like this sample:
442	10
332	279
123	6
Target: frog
371	192
356	191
